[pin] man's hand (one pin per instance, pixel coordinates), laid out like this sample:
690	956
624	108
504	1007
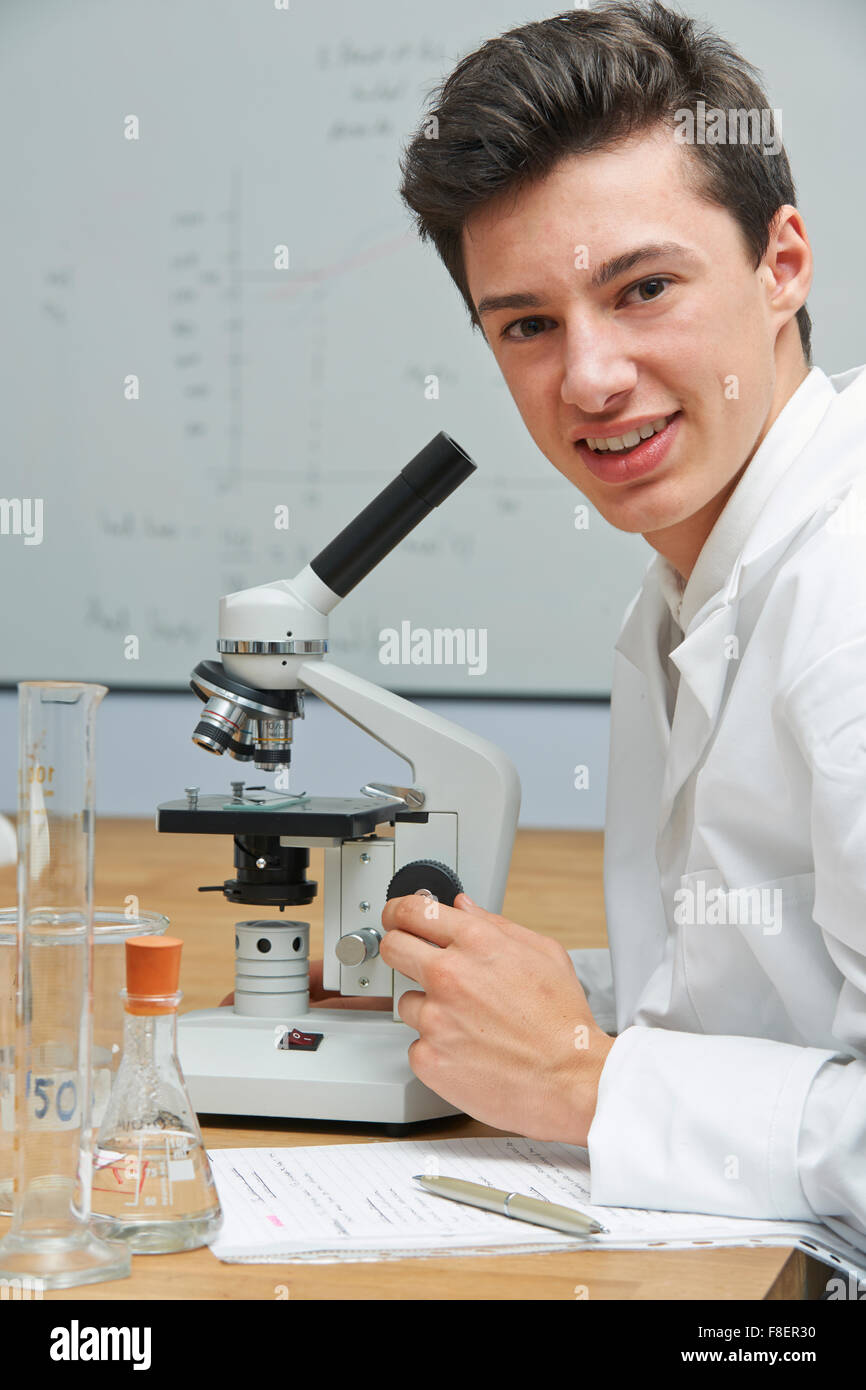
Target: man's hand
506	1033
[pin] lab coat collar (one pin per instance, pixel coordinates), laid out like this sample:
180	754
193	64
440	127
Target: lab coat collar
830	460
794	426
833	459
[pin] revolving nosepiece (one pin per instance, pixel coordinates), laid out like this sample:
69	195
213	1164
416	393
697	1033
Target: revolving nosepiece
249	724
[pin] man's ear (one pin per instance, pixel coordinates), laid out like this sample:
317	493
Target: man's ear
789	262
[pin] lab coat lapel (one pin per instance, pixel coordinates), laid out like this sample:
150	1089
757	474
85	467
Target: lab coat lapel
642	631
703	667
707	657
639	739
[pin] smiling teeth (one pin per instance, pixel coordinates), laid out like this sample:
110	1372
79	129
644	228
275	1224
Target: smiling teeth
617	442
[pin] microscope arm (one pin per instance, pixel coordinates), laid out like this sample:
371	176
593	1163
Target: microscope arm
271	639
456	770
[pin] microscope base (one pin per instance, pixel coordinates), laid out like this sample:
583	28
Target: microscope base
360	1070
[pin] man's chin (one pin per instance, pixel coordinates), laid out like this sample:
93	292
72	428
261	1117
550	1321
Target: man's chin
635	517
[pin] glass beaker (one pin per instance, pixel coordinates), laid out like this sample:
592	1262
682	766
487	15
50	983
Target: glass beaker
51	1242
111	927
152	1180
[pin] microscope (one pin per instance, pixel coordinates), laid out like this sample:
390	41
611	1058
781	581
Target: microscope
450	830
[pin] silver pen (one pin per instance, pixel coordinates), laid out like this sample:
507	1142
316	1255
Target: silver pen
533	1209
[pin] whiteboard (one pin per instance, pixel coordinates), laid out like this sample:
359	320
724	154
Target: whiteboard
259	388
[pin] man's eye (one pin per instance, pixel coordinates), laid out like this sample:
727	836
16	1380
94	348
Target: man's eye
656	280
518	323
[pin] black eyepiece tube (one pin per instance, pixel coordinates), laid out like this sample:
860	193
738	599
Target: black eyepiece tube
432	476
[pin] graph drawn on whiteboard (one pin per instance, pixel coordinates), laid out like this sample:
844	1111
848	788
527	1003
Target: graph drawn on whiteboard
179	388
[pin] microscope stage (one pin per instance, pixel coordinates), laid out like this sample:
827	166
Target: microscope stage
336	817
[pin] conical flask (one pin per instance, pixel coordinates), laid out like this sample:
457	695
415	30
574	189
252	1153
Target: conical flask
51	1243
152	1181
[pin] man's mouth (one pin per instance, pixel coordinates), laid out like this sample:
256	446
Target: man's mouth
624	443
624	458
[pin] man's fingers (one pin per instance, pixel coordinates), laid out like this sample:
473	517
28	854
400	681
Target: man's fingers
512	929
423	917
409	1007
407	953
431	921
434	921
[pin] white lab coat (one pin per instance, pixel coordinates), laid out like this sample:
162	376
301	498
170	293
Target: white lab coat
737	1082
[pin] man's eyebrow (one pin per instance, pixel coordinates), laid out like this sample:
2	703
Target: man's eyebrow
491	302
618	265
603	275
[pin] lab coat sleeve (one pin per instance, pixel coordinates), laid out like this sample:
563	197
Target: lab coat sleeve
690	1122
748	1126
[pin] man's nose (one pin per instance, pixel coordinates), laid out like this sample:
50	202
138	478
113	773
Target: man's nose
596	366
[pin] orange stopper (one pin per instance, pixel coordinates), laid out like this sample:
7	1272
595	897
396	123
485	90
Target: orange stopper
152	973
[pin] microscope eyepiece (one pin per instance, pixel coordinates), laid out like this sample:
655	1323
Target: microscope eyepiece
255	725
427	480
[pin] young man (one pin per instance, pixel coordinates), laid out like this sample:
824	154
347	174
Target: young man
625	279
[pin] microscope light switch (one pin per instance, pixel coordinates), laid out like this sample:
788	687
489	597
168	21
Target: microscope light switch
294	1040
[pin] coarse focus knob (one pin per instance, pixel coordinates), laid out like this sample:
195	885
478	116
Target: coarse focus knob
358	946
436	877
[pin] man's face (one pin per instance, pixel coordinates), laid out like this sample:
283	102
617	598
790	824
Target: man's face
685	333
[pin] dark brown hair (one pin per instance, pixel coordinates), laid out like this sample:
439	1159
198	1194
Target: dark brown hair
580	81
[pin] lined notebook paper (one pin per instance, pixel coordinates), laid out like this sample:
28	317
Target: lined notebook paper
334	1202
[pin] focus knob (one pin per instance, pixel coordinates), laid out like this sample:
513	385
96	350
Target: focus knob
436	877
358	946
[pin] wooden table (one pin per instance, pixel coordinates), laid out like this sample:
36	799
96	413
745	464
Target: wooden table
555	887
